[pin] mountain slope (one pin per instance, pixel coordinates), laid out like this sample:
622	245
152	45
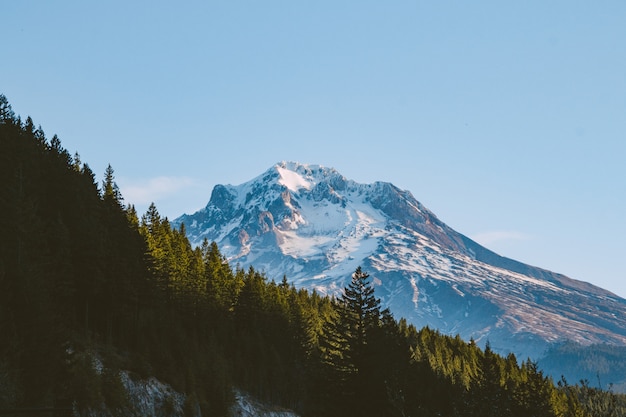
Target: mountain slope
314	225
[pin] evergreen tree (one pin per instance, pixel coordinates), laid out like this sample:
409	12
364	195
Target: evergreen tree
222	287
349	348
361	314
110	190
6	112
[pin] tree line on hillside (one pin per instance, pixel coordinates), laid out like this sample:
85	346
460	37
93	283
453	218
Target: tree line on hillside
85	279
600	365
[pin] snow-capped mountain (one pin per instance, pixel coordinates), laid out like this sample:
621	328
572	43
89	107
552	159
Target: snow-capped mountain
313	225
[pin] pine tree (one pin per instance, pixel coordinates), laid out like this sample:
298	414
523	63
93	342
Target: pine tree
222	286
6	112
110	190
360	314
349	348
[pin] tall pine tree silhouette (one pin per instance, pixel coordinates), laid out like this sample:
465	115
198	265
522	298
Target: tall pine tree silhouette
361	315
349	345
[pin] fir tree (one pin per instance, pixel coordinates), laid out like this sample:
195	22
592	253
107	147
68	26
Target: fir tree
349	348
110	190
6	112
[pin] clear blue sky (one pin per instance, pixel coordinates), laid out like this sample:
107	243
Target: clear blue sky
506	119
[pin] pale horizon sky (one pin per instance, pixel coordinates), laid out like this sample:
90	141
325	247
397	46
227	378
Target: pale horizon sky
506	119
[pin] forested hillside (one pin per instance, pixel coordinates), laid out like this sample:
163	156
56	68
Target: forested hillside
83	276
601	366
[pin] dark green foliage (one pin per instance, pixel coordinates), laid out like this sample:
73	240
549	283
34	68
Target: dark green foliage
85	384
604	366
74	267
82	277
591	401
352	346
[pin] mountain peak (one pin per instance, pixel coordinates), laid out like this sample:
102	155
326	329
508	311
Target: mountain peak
291	176
313	225
295	175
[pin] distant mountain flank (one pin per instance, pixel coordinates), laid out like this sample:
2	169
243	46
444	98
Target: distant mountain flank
313	225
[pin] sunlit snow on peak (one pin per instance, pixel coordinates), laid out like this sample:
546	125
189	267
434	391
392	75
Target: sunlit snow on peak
334	232
291	179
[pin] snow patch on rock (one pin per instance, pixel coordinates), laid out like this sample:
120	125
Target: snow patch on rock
246	406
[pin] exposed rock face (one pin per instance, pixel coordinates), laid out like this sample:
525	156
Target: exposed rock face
152	398
314	225
246	406
145	397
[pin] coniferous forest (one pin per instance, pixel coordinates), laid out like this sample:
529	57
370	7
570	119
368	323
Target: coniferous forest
83	275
